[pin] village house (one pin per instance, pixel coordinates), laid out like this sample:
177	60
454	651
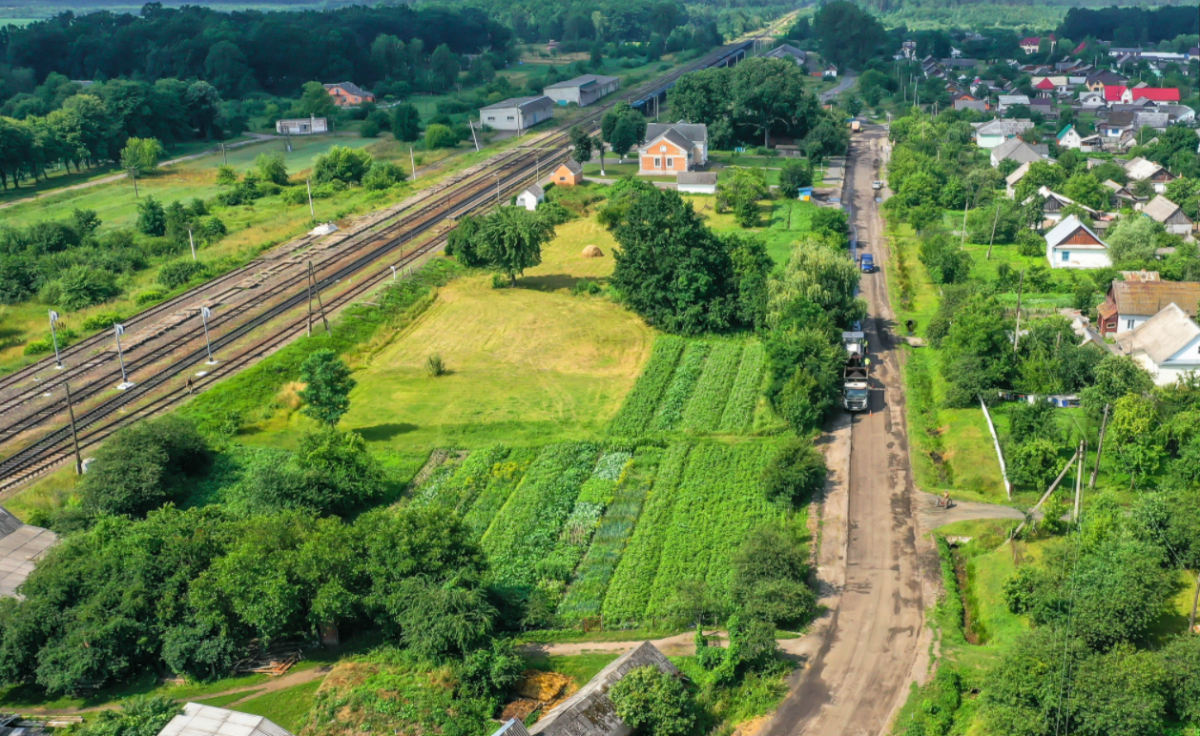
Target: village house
583	91
672	148
1140	296
1097	81
1071	244
1006	101
1167	345
968	102
1156	95
1173	218
1121	196
348	94
530	197
21	546
1140	168
207	720
311	125
568	174
517	113
1055	203
1030	45
1116	126
995	132
1091	100
1019	151
1068	137
1012	180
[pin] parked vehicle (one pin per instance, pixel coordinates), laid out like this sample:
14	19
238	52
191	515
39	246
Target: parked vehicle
867	261
877	184
856	394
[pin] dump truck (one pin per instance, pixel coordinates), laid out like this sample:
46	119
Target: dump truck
855	389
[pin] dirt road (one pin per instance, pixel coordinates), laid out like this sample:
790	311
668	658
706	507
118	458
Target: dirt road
874	643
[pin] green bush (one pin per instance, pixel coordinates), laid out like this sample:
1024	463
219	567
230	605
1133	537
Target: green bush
795	474
102	320
37	347
80	286
347	165
383	174
439	136
586	286
176	274
146	297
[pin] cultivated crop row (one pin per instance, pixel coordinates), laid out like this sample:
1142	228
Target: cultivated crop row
718	503
628	594
585	596
738	417
526	530
503	477
683	383
638	410
707	403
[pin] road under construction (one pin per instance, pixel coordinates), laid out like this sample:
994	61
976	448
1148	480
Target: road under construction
262	306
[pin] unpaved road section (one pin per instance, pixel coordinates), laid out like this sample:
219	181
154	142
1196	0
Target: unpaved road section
873	642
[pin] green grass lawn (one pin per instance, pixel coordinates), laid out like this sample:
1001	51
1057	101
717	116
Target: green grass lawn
579	667
528	365
22	698
286	708
221	701
782	221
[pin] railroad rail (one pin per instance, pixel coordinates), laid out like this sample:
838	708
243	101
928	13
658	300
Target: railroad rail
175	345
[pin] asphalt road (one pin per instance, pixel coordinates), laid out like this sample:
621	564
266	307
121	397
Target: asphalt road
875	643
845	82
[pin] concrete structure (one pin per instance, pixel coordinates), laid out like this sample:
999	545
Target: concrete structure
1167	345
583	91
531	197
1132	302
590	712
21	546
1161	209
348	94
302	126
1071	244
205	720
517	113
990	135
670	149
567	174
696	182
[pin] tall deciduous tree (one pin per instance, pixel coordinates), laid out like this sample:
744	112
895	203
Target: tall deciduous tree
511	239
141	155
654	703
327	392
581	145
848	35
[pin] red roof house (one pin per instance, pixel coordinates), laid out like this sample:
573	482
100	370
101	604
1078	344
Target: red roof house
1114	92
1044	84
1156	94
1078	49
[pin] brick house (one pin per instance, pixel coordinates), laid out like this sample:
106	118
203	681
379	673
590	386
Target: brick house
349	94
567	174
672	148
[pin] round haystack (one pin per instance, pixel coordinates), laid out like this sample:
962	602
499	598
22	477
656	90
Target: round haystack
592	251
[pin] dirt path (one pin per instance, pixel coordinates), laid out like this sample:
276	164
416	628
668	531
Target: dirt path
262	688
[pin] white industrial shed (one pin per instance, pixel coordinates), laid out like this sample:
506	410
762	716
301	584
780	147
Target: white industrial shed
517	113
21	545
583	91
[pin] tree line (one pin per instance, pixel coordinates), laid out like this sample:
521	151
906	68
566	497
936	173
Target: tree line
1131	26
243	51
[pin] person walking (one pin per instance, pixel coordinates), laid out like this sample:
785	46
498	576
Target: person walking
189	385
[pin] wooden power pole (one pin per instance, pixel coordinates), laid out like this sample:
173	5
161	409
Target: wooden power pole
74	433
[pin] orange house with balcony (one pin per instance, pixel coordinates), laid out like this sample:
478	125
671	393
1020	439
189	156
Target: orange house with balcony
671	149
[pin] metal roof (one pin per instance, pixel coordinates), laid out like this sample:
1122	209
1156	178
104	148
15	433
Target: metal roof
1005	127
1063	230
21	545
205	720
1162	336
1150	297
522	102
694	132
586	80
1160	208
696	177
350	87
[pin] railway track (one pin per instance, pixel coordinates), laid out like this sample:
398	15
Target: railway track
176	345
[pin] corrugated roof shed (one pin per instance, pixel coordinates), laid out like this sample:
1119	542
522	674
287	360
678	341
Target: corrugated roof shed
590	712
205	720
1161	336
1160	208
695	132
585	81
21	545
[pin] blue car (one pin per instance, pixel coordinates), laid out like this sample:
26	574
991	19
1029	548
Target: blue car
867	261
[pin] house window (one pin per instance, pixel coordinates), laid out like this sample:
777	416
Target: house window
1066	256
510	117
657	163
670	163
1129	324
491	119
662	149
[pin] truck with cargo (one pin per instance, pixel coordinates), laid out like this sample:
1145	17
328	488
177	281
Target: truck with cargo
856	395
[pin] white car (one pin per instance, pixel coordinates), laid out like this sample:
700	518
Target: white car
877	185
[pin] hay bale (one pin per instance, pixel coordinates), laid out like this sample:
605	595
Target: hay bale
542	686
592	251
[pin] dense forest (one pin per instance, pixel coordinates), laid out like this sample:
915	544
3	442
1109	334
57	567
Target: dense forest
1131	26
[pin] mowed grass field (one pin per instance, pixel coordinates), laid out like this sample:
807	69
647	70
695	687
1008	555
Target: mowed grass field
531	364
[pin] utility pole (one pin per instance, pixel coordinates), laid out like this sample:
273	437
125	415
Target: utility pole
205	313
413	162
309	285
54	337
224	156
118	330
1099	448
995	220
192	242
1079	481
497	188
75	435
312	274
475	138
393	272
1017	331
311	210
